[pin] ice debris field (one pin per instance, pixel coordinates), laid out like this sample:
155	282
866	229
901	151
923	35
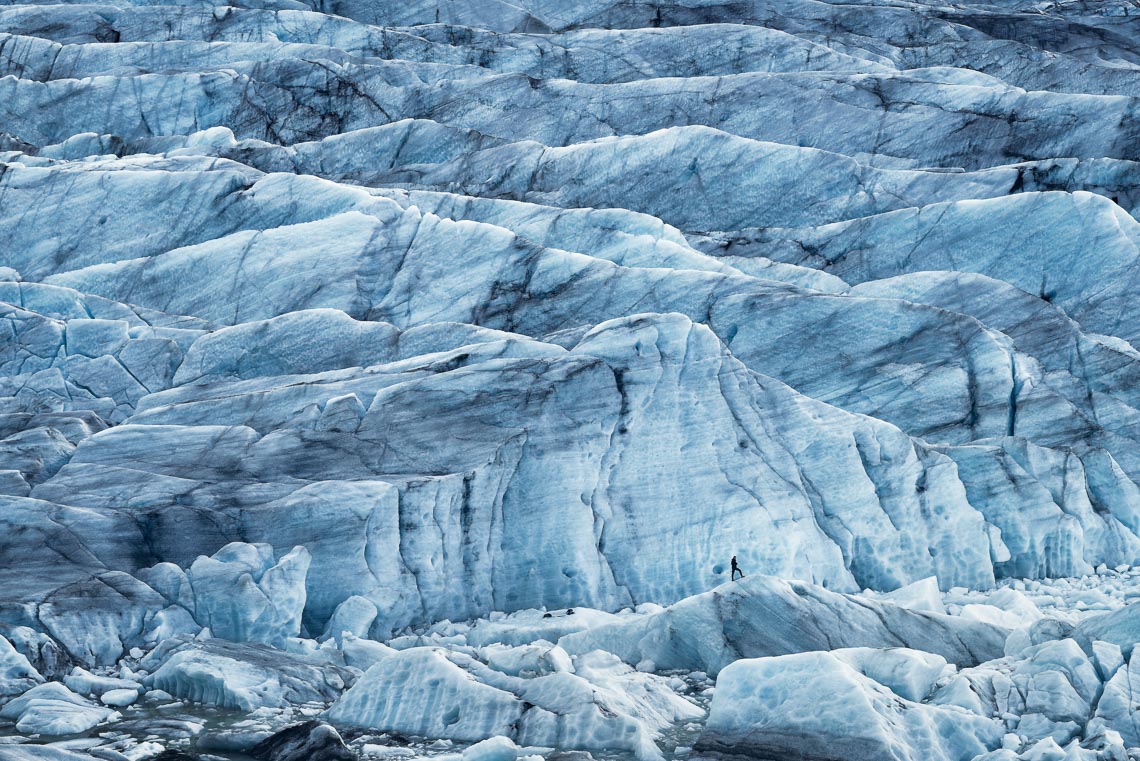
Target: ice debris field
398	379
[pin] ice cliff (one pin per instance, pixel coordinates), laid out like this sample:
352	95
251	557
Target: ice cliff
326	322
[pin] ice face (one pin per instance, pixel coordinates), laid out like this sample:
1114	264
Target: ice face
326	325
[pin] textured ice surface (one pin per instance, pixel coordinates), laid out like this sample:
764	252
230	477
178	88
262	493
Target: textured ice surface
52	709
765	616
245	676
590	702
421	365
816	705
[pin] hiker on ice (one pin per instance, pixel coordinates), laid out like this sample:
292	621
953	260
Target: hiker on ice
736	569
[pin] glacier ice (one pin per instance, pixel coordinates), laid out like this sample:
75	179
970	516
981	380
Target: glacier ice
241	594
816	705
766	616
245	676
53	709
417	367
82	681
596	702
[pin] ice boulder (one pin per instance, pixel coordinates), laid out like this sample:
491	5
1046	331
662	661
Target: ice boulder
84	682
245	676
432	692
496	748
763	616
353	616
52	709
817	706
243	594
421	692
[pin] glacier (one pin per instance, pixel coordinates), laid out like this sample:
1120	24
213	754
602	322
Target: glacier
397	380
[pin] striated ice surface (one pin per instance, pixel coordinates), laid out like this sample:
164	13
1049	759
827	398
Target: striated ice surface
765	616
53	709
241	594
590	702
243	676
397	380
816	705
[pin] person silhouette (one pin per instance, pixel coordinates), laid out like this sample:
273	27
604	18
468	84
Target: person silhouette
736	569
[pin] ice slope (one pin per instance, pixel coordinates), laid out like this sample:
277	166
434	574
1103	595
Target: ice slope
1069	561
1031	241
539	291
914	117
323	321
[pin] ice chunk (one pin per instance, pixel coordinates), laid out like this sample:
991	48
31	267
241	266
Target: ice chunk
814	705
527	660
85	683
420	692
432	692
908	673
98	619
363	653
603	705
1108	658
353	616
1049	690
170	581
496	748
765	616
1118	706
1006	607
42	753
923	594
52	709
119	698
244	676
241	594
44	653
1120	627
